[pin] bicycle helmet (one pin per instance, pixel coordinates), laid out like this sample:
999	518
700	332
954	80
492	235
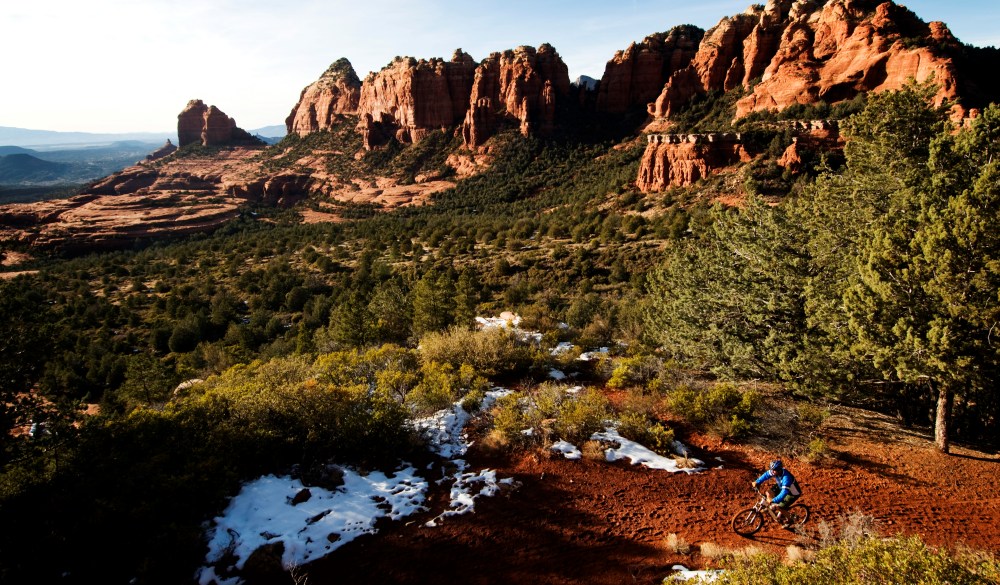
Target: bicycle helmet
775	465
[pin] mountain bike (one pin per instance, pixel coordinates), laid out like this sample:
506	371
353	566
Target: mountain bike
751	520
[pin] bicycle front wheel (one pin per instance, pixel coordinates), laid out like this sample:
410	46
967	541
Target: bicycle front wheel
748	522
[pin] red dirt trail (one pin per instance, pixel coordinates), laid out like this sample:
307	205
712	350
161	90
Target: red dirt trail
600	523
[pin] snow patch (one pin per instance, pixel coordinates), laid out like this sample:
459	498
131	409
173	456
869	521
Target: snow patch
568	450
682	573
593	355
265	512
640	455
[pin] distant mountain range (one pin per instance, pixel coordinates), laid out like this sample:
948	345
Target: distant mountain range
48	139
73	158
23	167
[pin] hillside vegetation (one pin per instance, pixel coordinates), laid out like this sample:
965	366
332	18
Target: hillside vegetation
871	282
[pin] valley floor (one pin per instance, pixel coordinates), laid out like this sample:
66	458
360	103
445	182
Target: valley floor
594	522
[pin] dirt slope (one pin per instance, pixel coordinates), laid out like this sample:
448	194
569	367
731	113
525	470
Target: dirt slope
594	522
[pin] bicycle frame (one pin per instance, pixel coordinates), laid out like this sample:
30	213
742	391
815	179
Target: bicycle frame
751	520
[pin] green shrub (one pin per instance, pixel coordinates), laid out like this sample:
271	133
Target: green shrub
869	560
654	435
635	370
490	352
473	401
581	416
812	416
437	389
817	449
723	408
509	418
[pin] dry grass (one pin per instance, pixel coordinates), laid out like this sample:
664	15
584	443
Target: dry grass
677	544
593	450
854	527
796	554
685	462
712	551
495	442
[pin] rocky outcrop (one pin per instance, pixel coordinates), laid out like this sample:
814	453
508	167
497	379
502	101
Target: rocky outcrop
165	150
812	137
209	126
634	77
676	160
520	86
410	98
805	51
336	93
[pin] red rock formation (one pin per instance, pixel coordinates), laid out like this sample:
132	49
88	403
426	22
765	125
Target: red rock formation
165	150
676	160
811	137
804	52
635	76
410	98
209	126
335	93
852	51
521	86
721	63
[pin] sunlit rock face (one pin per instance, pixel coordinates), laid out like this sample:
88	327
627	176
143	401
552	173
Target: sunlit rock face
804	51
336	93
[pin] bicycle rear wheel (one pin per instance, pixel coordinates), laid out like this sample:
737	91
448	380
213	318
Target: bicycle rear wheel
798	514
747	522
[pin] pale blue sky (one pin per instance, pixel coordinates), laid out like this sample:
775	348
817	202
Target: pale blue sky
132	65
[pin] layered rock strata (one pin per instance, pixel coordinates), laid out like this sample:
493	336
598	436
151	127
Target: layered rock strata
336	93
675	160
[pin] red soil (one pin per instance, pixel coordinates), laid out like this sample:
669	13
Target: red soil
594	522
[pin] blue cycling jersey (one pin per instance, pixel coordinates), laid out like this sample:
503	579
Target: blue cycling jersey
786	483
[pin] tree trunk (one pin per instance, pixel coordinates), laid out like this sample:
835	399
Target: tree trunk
944	402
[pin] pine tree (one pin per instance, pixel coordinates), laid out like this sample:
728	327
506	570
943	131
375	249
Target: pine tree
733	301
433	302
923	303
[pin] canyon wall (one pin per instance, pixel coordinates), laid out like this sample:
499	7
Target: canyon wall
677	160
802	51
409	98
521	86
635	76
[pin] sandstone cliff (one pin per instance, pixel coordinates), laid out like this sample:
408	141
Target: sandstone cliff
336	93
410	98
674	160
521	86
804	51
209	126
634	77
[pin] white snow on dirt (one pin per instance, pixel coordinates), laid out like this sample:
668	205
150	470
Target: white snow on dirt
640	455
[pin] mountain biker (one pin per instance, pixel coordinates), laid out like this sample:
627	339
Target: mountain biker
788	488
